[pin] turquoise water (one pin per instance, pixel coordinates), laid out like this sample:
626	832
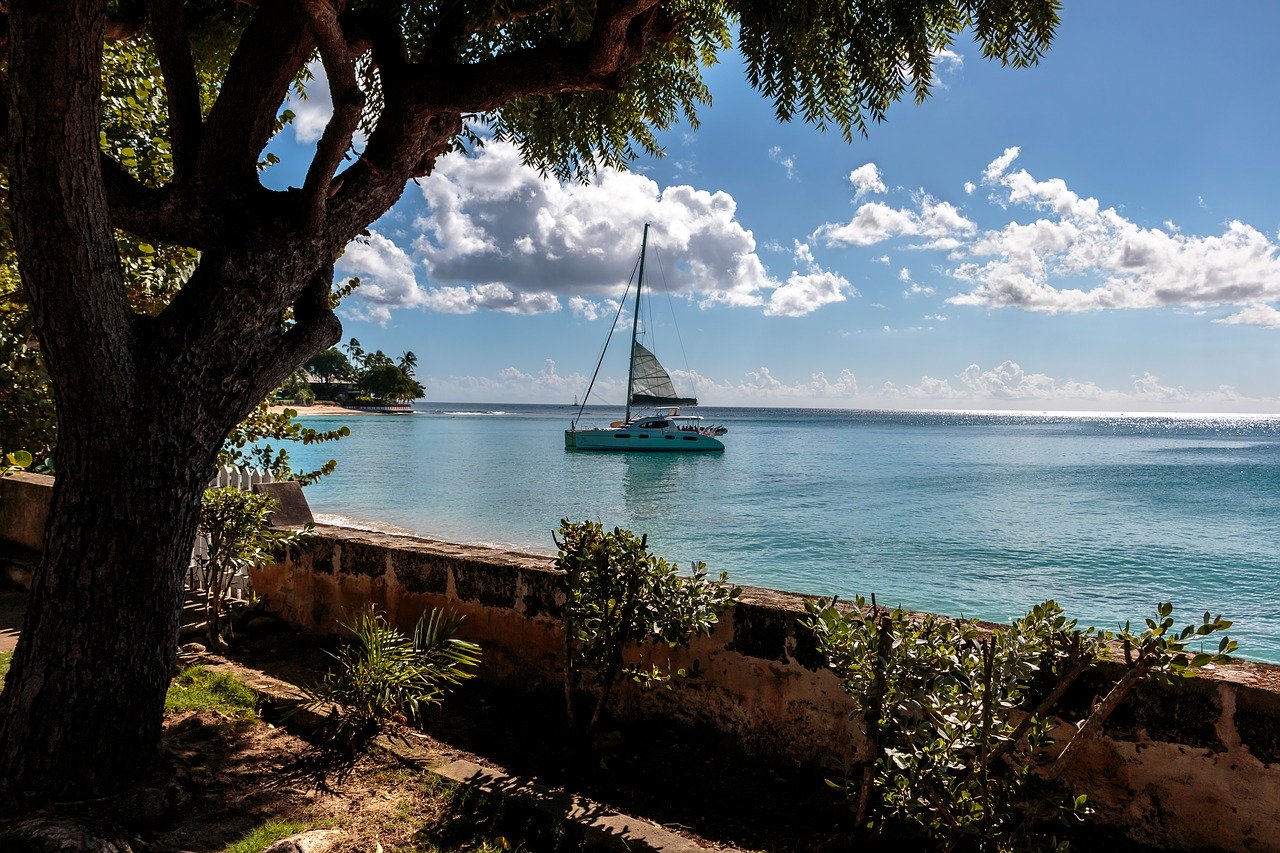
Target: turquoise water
966	514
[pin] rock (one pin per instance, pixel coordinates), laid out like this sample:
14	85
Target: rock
54	835
262	624
314	841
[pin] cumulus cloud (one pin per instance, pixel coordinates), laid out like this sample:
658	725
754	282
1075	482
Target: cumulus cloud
1008	385
1254	315
387	278
804	293
513	383
866	179
940	222
312	113
388	281
762	387
591	310
494	296
1033	265
493	219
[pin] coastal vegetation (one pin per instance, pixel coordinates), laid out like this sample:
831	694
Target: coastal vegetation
368	378
170	291
238	536
958	717
620	597
383	679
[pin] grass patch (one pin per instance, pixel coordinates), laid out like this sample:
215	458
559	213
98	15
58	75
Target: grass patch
262	837
5	658
198	689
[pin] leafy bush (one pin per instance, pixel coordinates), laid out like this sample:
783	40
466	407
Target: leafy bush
956	718
239	538
197	688
619	596
384	678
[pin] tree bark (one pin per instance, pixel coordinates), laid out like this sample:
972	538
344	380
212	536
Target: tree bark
144	403
98	643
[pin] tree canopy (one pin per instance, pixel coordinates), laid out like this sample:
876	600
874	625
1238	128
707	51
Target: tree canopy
170	290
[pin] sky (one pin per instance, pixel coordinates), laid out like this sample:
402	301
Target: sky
1098	233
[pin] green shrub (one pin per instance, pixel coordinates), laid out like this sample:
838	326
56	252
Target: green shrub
197	688
5	659
240	537
384	678
619	596
956	718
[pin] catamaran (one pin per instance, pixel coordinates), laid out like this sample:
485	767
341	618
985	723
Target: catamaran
648	385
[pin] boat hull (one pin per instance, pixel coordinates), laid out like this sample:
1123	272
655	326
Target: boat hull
643	441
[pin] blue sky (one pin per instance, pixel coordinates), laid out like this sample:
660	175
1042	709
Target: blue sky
1097	233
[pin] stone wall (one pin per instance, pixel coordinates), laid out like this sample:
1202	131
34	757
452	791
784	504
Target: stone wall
24	506
1192	766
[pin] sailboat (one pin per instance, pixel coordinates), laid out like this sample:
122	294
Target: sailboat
648	385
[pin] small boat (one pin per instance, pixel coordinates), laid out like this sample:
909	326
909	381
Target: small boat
648	385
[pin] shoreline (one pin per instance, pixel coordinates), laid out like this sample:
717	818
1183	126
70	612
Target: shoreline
319	409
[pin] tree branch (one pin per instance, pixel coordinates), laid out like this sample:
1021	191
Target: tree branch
348	103
173	49
275	45
620	39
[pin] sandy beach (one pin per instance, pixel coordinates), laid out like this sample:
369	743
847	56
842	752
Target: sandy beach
320	409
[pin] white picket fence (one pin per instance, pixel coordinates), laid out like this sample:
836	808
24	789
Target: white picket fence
243	479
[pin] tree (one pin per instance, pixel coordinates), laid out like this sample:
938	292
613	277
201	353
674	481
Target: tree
145	397
391	383
330	366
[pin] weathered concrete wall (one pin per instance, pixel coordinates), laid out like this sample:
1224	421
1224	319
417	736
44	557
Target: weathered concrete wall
24	506
1195	766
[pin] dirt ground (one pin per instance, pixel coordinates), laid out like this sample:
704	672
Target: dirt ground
692	782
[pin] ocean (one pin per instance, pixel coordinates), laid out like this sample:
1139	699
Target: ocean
967	514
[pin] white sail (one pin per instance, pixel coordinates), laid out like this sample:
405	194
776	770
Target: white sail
650	382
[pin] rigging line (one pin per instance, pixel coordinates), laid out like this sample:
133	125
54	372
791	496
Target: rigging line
662	272
622	301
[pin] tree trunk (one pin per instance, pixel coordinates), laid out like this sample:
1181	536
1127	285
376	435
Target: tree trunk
99	638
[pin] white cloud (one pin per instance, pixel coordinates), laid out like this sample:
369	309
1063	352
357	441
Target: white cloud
761	387
1005	386
866	179
515	384
492	219
1008	385
494	296
913	288
387	278
969	187
948	60
787	162
804	293
1253	315
1034	265
592	310
312	114
997	167
874	222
